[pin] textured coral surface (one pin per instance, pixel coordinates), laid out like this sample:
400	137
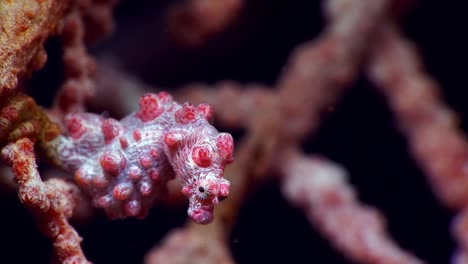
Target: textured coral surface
25	26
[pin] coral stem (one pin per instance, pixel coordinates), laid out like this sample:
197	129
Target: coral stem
52	202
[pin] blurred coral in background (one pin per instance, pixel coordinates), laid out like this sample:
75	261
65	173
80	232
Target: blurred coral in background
346	118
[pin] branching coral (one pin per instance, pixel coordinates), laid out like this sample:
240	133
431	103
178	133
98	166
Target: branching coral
52	202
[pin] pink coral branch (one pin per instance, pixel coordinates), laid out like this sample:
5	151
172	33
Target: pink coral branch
52	202
320	188
318	72
242	100
79	65
429	125
431	128
194	21
88	20
191	245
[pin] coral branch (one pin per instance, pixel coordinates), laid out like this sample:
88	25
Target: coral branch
98	19
20	117
194	21
25	25
79	65
242	100
429	125
88	20
460	233
319	187
191	245
326	65
125	88
52	202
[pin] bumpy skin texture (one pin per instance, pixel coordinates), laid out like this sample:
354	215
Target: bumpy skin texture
125	165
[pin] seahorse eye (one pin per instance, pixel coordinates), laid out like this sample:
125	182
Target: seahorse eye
203	192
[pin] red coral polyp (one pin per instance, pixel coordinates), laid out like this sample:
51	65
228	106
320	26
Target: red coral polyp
150	107
202	156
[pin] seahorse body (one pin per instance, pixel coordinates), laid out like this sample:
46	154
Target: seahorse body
124	165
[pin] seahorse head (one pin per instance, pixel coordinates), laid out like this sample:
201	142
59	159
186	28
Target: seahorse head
198	154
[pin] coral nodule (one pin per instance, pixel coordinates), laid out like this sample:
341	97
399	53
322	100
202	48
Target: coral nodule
125	165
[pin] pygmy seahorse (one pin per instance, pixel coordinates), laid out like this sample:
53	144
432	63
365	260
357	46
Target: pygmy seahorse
125	165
